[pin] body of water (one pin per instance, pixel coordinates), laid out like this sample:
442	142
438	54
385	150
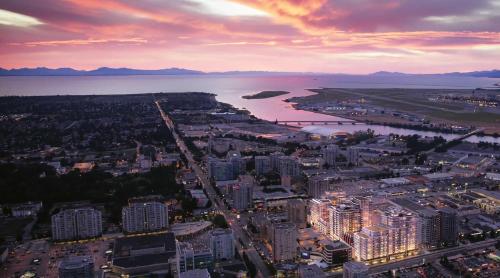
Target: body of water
230	89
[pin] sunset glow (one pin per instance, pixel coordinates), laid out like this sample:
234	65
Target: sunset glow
421	36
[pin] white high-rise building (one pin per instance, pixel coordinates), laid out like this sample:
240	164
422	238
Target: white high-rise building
143	215
284	241
320	215
222	244
76	223
330	154
346	221
242	195
395	232
262	165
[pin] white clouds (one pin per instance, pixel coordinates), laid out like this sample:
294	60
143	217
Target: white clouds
15	19
226	8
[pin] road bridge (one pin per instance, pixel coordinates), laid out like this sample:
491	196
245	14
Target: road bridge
317	122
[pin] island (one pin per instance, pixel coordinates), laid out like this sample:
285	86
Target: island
266	94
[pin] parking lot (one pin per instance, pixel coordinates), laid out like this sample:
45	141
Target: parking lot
41	257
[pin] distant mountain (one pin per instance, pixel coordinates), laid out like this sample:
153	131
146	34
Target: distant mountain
389	73
100	71
485	73
42	71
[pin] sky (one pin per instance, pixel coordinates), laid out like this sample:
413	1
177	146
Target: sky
333	36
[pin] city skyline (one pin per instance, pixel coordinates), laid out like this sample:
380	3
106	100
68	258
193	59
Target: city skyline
303	36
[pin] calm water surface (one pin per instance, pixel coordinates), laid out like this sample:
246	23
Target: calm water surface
230	89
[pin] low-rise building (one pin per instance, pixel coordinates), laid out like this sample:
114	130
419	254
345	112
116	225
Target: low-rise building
140	255
354	269
76	266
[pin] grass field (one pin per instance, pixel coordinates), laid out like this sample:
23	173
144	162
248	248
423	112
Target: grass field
413	101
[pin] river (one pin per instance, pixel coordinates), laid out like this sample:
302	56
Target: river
230	89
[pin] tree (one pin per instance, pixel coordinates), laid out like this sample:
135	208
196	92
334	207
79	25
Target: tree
405	161
220	221
420	159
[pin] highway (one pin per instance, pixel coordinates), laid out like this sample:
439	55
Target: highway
430	257
217	202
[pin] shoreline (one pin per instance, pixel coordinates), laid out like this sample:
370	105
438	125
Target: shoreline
294	104
368	123
265	95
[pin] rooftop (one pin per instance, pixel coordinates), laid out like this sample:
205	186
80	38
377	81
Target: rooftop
143	260
75	262
126	244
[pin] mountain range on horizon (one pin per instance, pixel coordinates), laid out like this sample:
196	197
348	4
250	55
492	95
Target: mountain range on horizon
107	71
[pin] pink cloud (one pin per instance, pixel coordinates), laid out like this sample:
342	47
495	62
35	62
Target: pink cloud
300	35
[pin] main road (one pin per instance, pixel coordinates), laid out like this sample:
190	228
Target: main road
430	257
217	202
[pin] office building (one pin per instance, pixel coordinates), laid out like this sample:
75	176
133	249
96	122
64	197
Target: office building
237	162
336	253
330	154
76	223
220	170
262	165
289	166
76	267
311	271
274	159
429	228
352	156
144	215
296	209
284	241
222	244
190	258
449	226
318	185
242	195
354	269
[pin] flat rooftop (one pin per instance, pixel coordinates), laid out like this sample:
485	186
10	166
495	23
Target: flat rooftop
143	260
183	229
126	244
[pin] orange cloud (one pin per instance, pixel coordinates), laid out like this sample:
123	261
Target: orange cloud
332	35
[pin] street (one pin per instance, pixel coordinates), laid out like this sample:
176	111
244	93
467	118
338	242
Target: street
217	202
425	258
